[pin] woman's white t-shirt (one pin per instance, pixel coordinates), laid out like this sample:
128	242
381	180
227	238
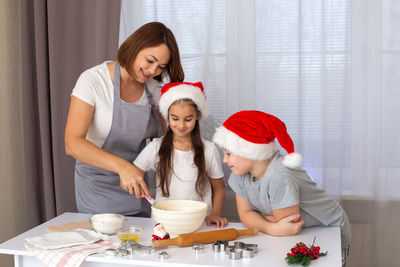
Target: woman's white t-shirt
95	87
184	175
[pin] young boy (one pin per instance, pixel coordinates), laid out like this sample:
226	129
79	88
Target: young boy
272	191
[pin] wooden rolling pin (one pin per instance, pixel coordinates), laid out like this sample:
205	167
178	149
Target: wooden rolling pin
185	240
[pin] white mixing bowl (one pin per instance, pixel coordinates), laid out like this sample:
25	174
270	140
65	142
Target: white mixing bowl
107	223
180	216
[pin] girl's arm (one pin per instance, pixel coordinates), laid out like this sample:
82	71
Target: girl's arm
284	227
76	145
218	197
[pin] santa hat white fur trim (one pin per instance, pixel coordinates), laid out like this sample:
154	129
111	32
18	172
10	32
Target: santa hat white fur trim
238	146
292	160
183	91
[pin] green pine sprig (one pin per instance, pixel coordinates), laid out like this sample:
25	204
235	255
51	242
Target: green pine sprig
299	259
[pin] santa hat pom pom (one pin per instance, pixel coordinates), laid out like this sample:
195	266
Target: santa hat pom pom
292	160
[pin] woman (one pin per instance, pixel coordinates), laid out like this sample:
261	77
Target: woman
112	113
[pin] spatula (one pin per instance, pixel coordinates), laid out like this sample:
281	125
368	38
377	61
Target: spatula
185	240
153	202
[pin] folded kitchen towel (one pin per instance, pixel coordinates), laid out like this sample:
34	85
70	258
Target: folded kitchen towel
54	240
68	256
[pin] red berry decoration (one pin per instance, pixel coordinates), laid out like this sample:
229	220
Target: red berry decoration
301	254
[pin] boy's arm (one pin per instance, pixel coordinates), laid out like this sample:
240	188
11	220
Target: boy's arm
253	219
218	197
285	212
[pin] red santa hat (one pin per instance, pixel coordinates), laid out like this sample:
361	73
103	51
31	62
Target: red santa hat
172	92
250	134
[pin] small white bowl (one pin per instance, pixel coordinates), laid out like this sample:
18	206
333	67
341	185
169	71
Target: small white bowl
107	223
132	233
180	216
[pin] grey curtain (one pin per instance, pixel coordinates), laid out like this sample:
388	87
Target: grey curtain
60	39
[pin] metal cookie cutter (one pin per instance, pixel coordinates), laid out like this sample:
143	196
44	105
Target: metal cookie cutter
145	250
248	253
134	248
240	245
235	253
228	249
253	247
163	255
240	250
121	252
198	248
110	252
220	246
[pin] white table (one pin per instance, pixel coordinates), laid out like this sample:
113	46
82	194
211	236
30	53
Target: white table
271	250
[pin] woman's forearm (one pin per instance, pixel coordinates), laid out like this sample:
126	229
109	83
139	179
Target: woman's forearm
85	151
80	116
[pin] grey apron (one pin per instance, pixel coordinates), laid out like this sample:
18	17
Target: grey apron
98	190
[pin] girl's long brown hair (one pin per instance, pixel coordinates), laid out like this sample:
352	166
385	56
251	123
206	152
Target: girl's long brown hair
164	166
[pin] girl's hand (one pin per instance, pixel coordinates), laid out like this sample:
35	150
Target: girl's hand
220	222
288	226
131	180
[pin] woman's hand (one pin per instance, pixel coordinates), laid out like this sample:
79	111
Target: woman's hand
220	222
131	180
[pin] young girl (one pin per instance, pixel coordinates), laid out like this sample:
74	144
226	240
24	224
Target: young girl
272	190
187	166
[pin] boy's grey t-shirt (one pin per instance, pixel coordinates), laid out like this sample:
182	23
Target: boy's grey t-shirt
281	187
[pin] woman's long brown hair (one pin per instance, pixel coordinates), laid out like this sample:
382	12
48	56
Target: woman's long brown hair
164	166
150	35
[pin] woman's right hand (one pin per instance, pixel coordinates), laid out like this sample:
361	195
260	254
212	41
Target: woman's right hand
131	180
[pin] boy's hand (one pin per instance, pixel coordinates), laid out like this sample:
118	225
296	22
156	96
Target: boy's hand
269	218
220	222
290	225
